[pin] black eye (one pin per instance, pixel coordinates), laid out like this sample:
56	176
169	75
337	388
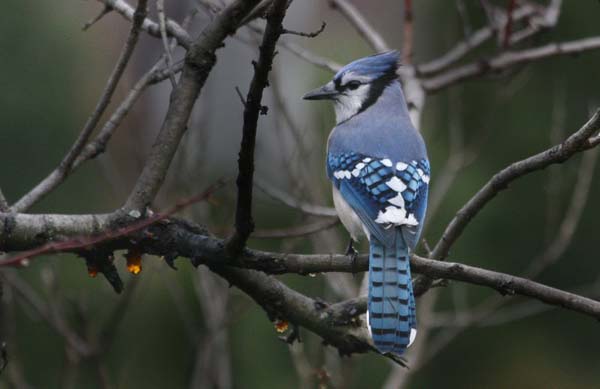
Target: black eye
352	85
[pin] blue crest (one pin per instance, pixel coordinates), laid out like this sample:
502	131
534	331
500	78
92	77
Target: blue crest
374	66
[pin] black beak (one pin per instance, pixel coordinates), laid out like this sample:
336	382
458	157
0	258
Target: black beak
326	92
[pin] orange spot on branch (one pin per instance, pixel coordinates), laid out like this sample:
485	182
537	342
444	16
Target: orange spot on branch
92	271
134	261
281	325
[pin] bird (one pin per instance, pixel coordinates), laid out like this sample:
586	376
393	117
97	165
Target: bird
378	165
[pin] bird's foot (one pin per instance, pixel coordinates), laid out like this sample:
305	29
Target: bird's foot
351	251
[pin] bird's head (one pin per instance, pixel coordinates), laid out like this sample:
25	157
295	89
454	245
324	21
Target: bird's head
358	85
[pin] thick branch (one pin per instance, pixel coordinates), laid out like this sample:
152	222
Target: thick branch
337	324
176	237
244	225
20	231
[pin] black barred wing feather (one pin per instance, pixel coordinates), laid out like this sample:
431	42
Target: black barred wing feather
385	193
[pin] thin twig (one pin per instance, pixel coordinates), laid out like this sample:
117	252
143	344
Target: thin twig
539	22
371	35
407	47
470	42
284	198
3	203
240	95
244	224
106	10
306	34
301	52
464	17
571	218
508	59
508	29
160	10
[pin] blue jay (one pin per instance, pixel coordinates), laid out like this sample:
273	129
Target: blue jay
378	164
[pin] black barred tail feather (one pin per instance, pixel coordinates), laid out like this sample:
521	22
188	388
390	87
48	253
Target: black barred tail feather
391	306
412	310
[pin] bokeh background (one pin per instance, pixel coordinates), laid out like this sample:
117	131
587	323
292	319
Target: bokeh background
186	328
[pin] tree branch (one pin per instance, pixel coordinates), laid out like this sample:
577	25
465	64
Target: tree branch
244	225
313	34
162	24
336	323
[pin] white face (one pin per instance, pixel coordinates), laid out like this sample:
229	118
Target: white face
354	90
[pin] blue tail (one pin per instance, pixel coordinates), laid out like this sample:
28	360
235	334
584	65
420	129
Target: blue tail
391	307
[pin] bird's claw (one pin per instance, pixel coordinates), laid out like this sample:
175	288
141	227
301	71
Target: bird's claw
353	254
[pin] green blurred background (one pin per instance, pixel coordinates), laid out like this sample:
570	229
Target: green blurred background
187	328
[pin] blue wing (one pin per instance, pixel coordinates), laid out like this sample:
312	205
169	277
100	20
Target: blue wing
384	193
